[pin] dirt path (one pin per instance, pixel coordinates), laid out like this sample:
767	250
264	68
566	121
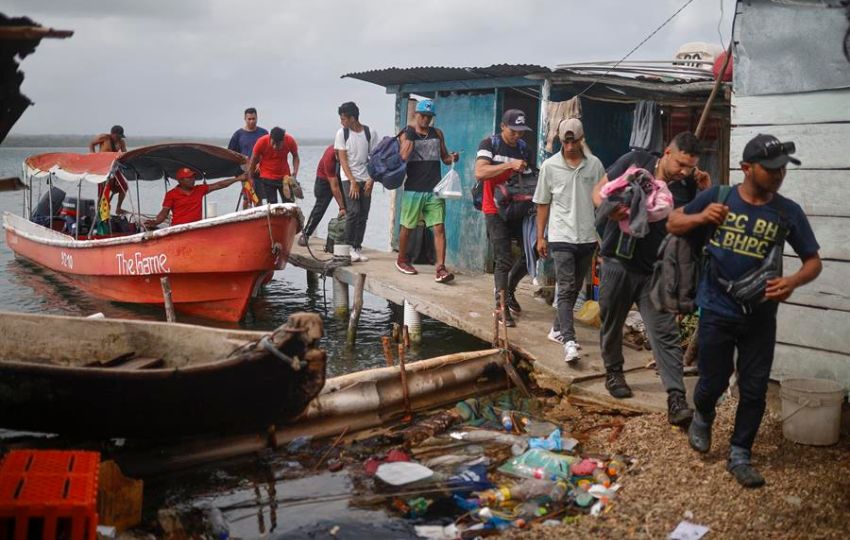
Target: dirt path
807	493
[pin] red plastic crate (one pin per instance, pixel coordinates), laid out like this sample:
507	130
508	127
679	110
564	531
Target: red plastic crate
56	490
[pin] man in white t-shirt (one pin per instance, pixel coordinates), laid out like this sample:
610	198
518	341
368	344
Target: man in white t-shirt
353	142
564	198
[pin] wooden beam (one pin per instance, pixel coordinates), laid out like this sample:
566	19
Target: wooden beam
32	32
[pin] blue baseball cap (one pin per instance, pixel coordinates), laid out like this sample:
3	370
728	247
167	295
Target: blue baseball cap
426	107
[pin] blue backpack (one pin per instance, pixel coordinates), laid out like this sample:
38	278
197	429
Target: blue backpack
385	164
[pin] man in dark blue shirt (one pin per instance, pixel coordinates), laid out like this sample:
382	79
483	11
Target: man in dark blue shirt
243	141
743	231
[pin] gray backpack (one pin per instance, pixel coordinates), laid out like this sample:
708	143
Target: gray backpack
676	273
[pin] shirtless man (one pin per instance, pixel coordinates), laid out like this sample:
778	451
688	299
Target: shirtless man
109	142
112	142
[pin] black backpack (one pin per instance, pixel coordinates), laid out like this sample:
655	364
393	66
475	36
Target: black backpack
478	187
676	272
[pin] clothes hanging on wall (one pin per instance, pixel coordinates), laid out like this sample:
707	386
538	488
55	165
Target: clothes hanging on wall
556	111
646	128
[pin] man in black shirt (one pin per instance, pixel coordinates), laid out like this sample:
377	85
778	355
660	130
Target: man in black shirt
627	268
423	147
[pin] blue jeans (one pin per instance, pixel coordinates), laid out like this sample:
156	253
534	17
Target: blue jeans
755	339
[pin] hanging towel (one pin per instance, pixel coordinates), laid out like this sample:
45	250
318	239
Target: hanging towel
557	111
646	128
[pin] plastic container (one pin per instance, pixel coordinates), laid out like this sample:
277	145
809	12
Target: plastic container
600	477
536	428
811	411
507	421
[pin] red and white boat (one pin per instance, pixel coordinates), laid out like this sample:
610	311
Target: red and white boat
214	265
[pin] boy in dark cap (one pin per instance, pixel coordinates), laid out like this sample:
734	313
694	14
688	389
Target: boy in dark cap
740	291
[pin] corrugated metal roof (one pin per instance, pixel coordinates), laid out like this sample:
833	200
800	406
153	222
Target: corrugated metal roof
395	75
665	71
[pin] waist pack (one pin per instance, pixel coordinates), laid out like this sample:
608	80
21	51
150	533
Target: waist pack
748	290
676	272
336	234
385	164
514	198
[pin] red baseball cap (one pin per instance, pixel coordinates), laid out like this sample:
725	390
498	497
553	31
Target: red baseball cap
184	172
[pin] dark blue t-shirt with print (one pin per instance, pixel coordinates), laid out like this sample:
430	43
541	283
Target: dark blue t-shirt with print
744	240
243	141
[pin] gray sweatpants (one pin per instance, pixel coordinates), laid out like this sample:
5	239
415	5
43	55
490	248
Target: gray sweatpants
618	290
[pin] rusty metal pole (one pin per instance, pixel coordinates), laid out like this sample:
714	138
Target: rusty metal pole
403	376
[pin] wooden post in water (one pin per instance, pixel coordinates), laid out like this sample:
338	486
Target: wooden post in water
166	295
388	351
403	374
354	320
312	279
340	298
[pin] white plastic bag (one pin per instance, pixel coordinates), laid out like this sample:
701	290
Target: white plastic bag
449	187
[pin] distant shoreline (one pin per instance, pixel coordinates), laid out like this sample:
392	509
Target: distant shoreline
82	141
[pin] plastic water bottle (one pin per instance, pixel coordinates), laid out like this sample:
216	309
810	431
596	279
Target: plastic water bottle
616	467
600	477
558	492
218	525
582	497
530	489
507	421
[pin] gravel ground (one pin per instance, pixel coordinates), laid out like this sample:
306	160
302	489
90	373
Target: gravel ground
807	493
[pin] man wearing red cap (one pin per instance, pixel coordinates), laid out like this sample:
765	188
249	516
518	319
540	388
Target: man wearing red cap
185	202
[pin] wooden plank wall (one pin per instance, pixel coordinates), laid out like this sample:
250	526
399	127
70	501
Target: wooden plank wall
814	325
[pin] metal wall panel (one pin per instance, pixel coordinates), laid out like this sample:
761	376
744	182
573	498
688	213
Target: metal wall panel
465	120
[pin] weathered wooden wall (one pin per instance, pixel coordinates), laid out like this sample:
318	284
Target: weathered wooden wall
814	325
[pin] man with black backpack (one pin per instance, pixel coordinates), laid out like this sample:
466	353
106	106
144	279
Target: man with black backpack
740	291
627	268
353	142
423	147
501	157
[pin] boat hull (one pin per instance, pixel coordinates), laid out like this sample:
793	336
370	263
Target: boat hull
218	381
214	266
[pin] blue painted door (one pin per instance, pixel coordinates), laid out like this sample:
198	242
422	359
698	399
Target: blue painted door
465	120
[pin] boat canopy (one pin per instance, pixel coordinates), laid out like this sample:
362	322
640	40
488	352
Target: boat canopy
147	163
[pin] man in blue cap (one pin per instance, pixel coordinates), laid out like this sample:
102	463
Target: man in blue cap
746	231
423	147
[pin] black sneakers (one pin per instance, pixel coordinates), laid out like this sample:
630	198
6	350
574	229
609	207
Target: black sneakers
615	383
747	475
513	305
678	412
699	433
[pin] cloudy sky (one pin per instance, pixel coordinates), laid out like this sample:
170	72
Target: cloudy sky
190	67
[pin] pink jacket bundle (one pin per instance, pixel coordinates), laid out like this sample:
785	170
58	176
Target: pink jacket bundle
657	197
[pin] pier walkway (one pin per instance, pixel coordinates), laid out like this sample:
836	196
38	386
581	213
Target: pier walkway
466	303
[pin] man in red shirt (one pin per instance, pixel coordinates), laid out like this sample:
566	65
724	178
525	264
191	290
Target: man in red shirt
271	153
325	188
185	202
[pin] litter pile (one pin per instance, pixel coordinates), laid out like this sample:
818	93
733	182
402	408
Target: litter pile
488	465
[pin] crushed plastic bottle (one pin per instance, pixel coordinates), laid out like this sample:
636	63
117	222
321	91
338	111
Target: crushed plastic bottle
601	478
507	421
218	525
518	444
582	497
536	428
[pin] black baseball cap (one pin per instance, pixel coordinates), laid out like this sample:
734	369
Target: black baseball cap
769	152
117	130
515	119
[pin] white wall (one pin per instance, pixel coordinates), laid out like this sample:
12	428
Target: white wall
814	325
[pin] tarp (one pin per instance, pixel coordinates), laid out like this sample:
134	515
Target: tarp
146	163
94	168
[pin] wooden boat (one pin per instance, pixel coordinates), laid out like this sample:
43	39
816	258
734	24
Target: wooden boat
214	265
119	378
349	405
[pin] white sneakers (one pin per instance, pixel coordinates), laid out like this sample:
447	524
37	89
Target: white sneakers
571	352
555	336
357	256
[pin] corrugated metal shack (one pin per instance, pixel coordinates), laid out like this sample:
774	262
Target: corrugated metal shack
792	80
470	102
